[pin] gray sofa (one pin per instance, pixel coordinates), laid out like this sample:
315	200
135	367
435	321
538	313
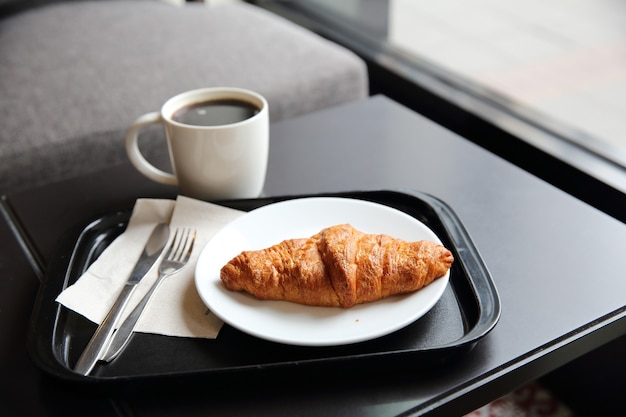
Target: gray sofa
75	74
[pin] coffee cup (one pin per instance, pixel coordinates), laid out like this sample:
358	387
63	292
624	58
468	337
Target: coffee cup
218	142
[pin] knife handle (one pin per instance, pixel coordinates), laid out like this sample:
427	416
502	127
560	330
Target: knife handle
100	339
126	329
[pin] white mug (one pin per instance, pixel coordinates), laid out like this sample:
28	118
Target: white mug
211	159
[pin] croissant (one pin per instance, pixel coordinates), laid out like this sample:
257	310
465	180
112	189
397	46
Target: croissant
338	267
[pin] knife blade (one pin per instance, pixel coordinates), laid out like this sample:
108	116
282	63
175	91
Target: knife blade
100	339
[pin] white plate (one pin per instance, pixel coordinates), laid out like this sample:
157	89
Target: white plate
296	324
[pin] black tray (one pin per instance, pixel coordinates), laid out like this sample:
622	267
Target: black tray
467	311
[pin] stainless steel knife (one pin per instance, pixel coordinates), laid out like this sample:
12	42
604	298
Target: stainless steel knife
99	341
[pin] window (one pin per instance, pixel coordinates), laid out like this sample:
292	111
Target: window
551	74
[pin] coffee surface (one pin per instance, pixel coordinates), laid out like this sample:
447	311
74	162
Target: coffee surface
215	112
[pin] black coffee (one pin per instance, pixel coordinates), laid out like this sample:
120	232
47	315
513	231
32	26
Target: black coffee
215	112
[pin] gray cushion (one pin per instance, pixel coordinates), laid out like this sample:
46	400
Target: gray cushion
73	76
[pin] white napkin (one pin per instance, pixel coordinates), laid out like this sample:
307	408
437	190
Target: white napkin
176	308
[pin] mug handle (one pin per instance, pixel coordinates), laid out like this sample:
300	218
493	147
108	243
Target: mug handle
135	156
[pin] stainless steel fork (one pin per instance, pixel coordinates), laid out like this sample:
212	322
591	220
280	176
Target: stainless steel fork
177	257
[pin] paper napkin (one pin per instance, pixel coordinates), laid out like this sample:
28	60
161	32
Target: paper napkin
176	308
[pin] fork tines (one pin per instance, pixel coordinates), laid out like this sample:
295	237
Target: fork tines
182	244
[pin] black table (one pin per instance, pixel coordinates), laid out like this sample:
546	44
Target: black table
558	265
